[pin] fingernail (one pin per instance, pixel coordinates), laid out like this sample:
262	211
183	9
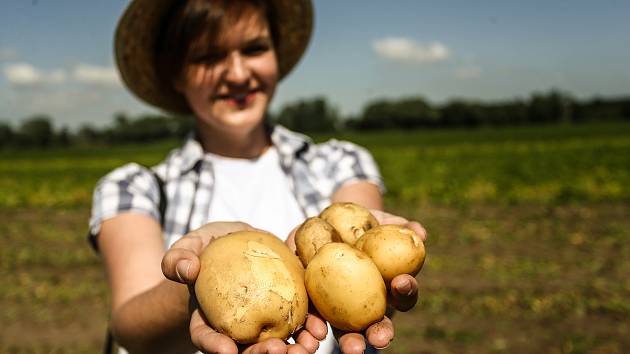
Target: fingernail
386	346
182	270
405	288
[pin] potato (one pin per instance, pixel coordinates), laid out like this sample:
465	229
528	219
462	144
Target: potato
394	249
251	287
346	287
350	220
311	236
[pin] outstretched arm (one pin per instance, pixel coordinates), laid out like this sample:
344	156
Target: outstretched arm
149	312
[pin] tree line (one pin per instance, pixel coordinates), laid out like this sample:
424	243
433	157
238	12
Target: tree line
317	115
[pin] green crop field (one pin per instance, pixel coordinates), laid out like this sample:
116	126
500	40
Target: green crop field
528	246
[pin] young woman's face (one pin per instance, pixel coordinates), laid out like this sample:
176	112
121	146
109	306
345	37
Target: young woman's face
230	87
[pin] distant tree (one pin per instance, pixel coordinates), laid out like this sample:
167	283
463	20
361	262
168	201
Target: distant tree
88	134
555	106
600	109
405	113
37	131
505	113
183	125
376	115
63	136
309	116
6	134
121	120
414	112
462	113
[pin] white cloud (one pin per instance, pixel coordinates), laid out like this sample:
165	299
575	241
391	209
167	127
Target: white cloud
7	54
96	75
24	74
468	72
408	50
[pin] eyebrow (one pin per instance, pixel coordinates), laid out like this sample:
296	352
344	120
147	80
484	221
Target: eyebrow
265	39
258	40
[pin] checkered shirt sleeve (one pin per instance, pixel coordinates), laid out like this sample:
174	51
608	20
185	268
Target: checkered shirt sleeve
347	163
128	188
326	167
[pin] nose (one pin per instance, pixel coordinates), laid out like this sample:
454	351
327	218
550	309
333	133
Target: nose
237	71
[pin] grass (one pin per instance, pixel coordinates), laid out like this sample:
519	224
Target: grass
527	252
545	165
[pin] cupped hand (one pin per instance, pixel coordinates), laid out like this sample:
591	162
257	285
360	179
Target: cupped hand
208	340
402	296
385	218
403	289
181	264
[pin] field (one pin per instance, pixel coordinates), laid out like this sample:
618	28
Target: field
528	246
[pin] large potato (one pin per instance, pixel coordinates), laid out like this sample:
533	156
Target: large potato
350	220
311	236
394	249
346	287
251	287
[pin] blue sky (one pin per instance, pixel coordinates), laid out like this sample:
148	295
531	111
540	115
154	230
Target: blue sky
56	56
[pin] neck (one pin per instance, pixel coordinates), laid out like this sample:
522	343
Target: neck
245	145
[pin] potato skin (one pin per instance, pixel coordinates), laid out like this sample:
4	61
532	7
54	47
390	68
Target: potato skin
394	249
350	220
311	236
346	287
251	287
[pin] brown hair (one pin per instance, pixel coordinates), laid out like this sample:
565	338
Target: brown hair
195	25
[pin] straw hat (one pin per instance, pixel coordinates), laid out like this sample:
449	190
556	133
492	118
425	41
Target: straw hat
138	29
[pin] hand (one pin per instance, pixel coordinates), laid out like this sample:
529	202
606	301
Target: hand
403	295
181	264
387	218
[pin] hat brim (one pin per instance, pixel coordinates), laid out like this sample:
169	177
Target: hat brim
135	46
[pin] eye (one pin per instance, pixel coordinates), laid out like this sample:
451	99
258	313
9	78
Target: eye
256	49
208	58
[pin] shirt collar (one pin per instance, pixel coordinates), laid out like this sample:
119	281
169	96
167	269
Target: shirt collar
289	145
190	153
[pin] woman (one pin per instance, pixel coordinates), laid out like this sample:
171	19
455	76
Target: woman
219	60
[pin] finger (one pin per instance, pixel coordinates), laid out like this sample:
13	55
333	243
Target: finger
212	230
268	346
418	229
181	263
352	343
307	341
290	242
380	334
404	292
387	218
315	330
299	349
208	340
393	219
316	326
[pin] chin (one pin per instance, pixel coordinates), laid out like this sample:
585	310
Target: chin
245	119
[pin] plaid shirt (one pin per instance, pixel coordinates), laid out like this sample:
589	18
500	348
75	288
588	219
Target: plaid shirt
315	172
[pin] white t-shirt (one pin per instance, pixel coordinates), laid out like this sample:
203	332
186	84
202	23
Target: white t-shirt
258	192
255	191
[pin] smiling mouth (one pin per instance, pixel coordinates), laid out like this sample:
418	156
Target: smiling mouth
239	99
